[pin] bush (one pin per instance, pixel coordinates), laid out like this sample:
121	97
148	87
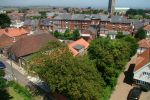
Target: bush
106	93
21	90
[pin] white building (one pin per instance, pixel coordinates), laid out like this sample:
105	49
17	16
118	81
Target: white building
142	69
147	29
17	24
143	46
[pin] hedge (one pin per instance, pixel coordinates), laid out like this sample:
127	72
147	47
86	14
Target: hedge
26	94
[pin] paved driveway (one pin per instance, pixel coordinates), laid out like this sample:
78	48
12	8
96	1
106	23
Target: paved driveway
14	71
145	96
122	89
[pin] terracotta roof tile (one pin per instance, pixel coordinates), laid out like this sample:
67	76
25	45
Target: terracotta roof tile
81	42
5	41
147	28
144	43
30	44
86	32
2	31
13	32
142	59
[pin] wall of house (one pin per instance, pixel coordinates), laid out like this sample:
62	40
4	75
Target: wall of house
141	50
143	74
148	33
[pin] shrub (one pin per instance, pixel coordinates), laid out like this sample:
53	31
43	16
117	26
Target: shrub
21	90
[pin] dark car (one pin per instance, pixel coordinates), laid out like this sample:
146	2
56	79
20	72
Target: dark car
134	93
2	65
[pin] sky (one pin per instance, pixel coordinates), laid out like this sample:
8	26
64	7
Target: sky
77	3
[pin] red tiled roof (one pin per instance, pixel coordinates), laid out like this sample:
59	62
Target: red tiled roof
147	28
5	41
86	32
2	31
144	43
142	59
118	27
81	42
13	32
30	44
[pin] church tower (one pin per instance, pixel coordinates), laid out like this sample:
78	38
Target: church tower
111	7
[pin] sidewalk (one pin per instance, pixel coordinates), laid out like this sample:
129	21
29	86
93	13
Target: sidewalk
20	69
13	64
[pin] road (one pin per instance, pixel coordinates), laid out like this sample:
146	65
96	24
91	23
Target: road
122	89
13	73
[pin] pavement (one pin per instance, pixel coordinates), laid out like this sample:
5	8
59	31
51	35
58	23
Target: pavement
145	96
122	89
14	72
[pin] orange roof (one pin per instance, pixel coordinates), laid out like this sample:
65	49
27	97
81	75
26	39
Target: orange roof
147	28
2	31
80	42
13	32
142	59
5	41
144	43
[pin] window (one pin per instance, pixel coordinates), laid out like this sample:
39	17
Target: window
146	74
79	48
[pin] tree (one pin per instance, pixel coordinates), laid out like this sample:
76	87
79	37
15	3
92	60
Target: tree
76	34
67	33
4	21
132	43
141	34
76	78
120	35
2	80
110	57
4	95
56	34
23	10
43	14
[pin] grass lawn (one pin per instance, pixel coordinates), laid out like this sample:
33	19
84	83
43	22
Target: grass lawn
15	95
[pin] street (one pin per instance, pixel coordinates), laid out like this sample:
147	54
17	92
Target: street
12	72
122	89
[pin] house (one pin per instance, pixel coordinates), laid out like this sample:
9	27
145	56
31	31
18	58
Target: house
46	24
16	24
82	22
112	35
24	47
142	69
147	29
78	47
143	46
32	13
14	33
119	23
5	43
31	24
16	16
89	34
136	24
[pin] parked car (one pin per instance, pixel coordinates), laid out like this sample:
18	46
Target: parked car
145	88
2	65
134	93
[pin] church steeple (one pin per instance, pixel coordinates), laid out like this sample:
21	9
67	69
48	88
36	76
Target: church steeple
111	6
